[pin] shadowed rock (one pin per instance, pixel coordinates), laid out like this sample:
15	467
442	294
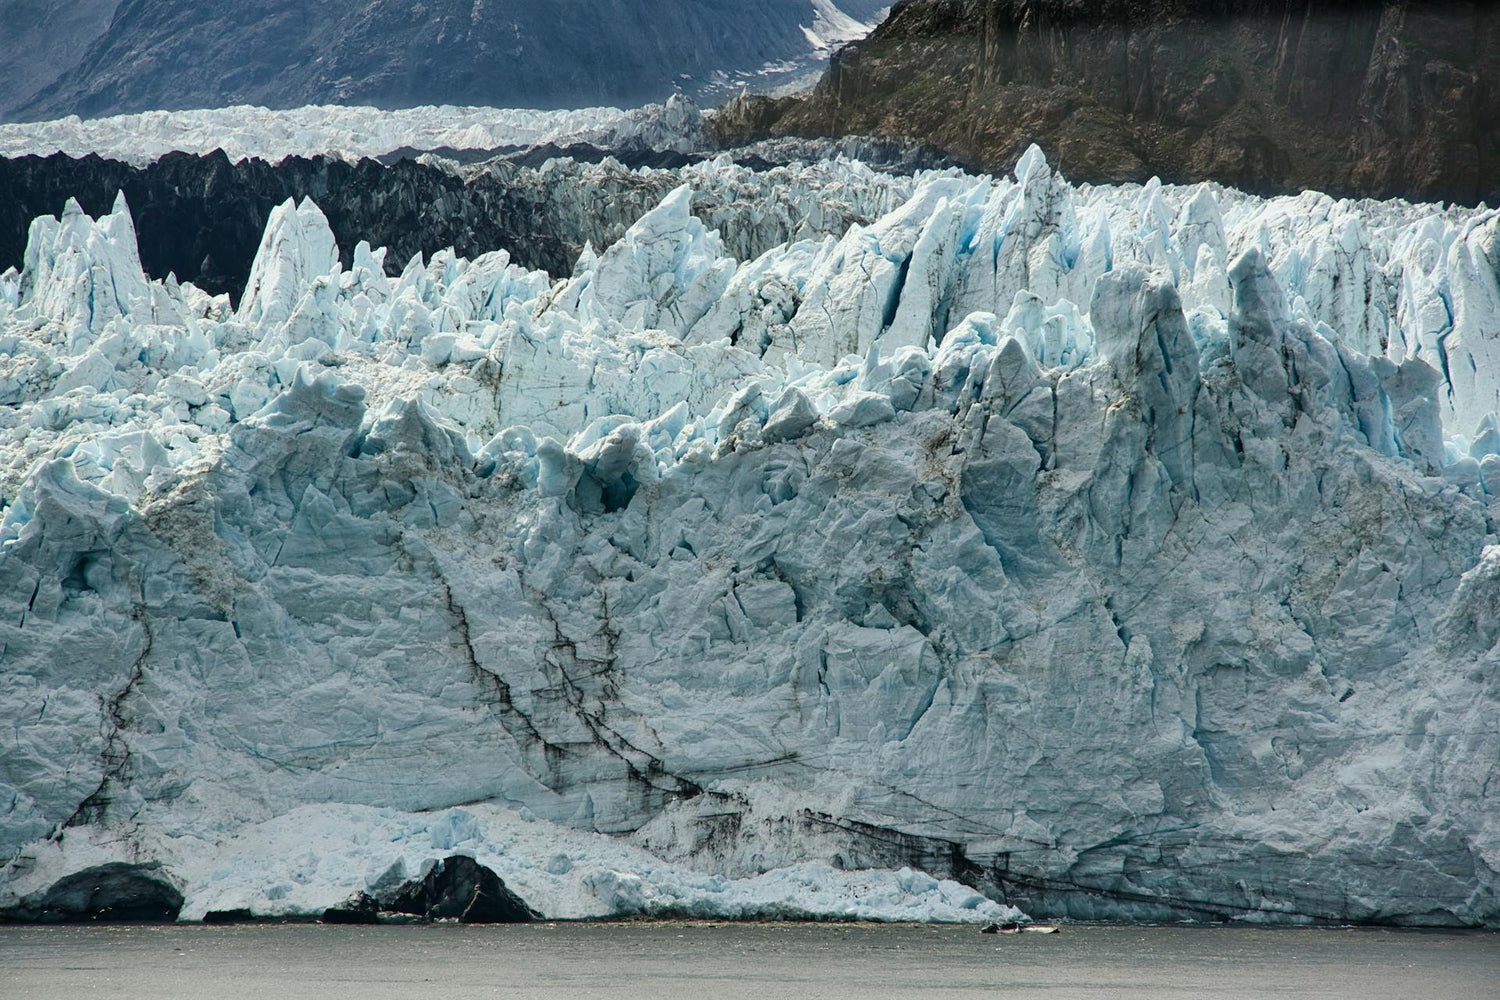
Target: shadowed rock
359	909
113	893
460	888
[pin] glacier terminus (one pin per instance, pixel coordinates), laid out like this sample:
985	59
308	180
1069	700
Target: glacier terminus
1111	552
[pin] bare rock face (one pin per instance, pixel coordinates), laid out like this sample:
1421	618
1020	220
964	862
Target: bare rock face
1380	98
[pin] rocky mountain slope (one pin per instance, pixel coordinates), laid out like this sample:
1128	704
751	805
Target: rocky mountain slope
1096	547
1372	97
42	41
111	56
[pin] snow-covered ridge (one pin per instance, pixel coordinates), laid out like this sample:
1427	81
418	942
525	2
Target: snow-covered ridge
833	27
352	132
1100	544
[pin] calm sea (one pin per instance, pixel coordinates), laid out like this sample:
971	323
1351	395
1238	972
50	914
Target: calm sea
634	961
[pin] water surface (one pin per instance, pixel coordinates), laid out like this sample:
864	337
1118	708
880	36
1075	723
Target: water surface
636	961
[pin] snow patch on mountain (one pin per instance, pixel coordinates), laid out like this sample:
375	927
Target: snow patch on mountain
832	27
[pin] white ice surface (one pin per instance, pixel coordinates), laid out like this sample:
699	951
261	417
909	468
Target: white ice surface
1098	537
352	132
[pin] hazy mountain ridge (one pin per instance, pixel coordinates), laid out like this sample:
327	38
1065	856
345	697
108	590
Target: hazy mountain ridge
171	54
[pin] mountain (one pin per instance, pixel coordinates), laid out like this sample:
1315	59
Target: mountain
1108	552
1362	97
170	54
43	41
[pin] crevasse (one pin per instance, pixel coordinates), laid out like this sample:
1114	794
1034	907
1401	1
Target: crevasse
1100	548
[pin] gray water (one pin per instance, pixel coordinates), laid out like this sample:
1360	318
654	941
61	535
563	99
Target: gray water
725	961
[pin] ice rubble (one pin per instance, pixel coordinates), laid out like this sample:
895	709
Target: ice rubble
313	857
335	130
1101	546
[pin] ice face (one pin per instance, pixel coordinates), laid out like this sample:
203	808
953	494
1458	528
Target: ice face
82	272
1063	539
664	274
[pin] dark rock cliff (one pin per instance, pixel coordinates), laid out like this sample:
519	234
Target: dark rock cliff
202	217
1369	97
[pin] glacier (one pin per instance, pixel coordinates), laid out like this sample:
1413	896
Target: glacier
1102	552
676	128
352	132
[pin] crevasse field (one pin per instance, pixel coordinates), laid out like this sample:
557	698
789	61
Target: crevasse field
348	132
1126	552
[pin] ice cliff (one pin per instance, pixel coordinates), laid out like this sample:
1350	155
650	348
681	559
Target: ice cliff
1117	552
